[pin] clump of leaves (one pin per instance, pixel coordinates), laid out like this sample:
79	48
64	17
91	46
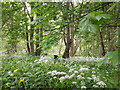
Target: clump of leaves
93	20
111	57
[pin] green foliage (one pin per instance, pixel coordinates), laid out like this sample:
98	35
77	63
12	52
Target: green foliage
13	26
48	42
112	7
30	72
111	57
93	20
52	18
104	16
101	62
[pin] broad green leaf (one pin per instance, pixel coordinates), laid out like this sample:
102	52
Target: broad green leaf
101	62
104	16
113	57
92	27
39	25
83	20
96	12
33	22
90	16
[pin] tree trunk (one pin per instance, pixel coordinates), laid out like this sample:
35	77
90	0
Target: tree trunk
30	46
75	43
31	37
101	42
37	53
72	43
92	45
60	46
109	40
39	39
27	39
72	49
119	28
72	30
26	27
76	47
68	44
68	40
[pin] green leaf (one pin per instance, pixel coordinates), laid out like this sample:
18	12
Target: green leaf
83	20
86	26
113	57
96	12
104	16
101	62
91	16
112	7
92	27
33	22
39	25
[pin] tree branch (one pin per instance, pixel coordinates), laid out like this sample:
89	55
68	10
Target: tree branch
27	10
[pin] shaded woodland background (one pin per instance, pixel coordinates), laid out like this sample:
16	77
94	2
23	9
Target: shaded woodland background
63	28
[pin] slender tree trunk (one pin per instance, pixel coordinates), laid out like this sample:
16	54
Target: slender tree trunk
31	37
72	43
30	46
37	53
39	39
76	47
27	39
75	43
26	27
68	40
72	30
109	40
119	28
68	44
93	45
60	47
101	42
31	43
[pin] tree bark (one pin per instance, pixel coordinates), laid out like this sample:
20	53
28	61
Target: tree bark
93	44
37	53
72	30
39	39
76	47
31	37
101	42
26	27
68	40
119	27
60	46
109	40
27	39
68	44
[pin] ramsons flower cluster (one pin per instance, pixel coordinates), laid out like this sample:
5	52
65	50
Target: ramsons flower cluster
55	72
43	59
88	59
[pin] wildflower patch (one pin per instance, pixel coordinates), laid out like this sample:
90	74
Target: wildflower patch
76	72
